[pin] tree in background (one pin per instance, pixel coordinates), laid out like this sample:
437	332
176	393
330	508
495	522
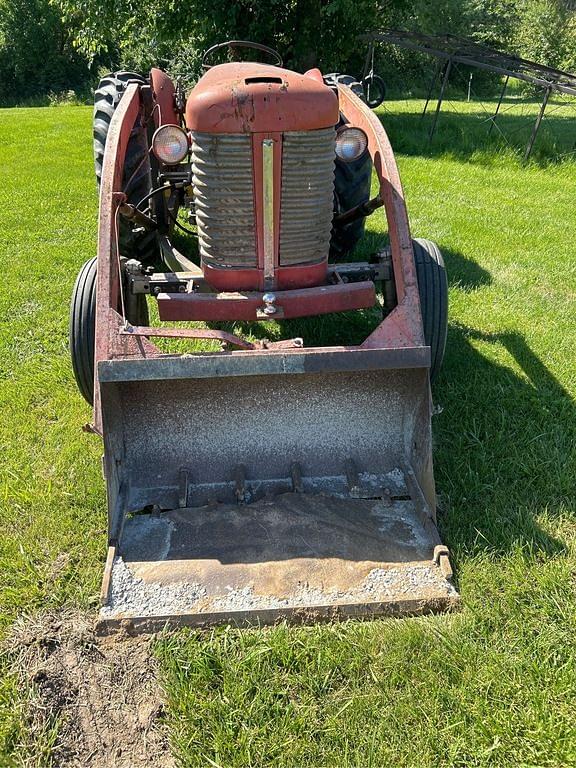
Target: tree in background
37	51
546	32
56	45
307	32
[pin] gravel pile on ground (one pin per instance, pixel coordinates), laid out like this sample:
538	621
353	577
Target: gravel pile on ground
131	595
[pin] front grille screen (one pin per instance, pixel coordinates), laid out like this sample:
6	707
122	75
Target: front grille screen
224	197
307	196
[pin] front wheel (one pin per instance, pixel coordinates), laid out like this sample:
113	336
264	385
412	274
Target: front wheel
433	290
82	329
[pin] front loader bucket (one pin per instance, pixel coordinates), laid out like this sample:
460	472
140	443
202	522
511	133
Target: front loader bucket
252	487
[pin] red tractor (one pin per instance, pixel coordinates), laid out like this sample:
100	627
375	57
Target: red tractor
268	477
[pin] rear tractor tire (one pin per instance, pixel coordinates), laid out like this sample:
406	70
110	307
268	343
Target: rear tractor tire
433	290
351	188
82	328
137	173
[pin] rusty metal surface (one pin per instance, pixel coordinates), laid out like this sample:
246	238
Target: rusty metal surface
108	344
276	360
228	339
307	197
164	92
188	333
238	279
265	560
403	326
301	302
227	99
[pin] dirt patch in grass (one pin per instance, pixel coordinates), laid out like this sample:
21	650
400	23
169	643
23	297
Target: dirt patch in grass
91	701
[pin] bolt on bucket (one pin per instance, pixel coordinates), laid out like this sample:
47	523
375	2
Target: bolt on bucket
253	487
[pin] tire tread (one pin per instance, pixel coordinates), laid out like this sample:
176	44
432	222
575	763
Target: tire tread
82	324
107	96
433	289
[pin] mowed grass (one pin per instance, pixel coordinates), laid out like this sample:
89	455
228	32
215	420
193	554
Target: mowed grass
494	685
52	518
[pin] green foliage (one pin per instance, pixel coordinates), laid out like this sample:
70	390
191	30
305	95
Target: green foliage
63	43
546	32
37	55
307	32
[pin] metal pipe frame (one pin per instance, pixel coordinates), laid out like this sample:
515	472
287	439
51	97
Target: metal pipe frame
537	124
432	85
468	52
493	61
495	115
440	98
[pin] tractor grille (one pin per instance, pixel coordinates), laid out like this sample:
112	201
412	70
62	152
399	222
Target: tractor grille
224	197
307	196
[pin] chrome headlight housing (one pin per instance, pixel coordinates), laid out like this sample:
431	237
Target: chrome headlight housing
351	143
170	144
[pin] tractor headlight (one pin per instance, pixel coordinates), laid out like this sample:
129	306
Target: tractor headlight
351	143
170	144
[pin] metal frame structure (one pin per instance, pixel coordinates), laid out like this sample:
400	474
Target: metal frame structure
451	49
116	339
268	420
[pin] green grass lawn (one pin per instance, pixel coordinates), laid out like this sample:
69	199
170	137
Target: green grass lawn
494	685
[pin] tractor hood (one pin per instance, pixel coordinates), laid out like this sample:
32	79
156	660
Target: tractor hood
244	97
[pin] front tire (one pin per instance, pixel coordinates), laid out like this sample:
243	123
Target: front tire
82	328
433	290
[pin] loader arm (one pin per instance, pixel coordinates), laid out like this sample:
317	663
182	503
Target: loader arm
403	327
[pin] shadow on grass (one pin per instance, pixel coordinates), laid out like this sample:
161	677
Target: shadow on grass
462	272
319	331
463	134
504	446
